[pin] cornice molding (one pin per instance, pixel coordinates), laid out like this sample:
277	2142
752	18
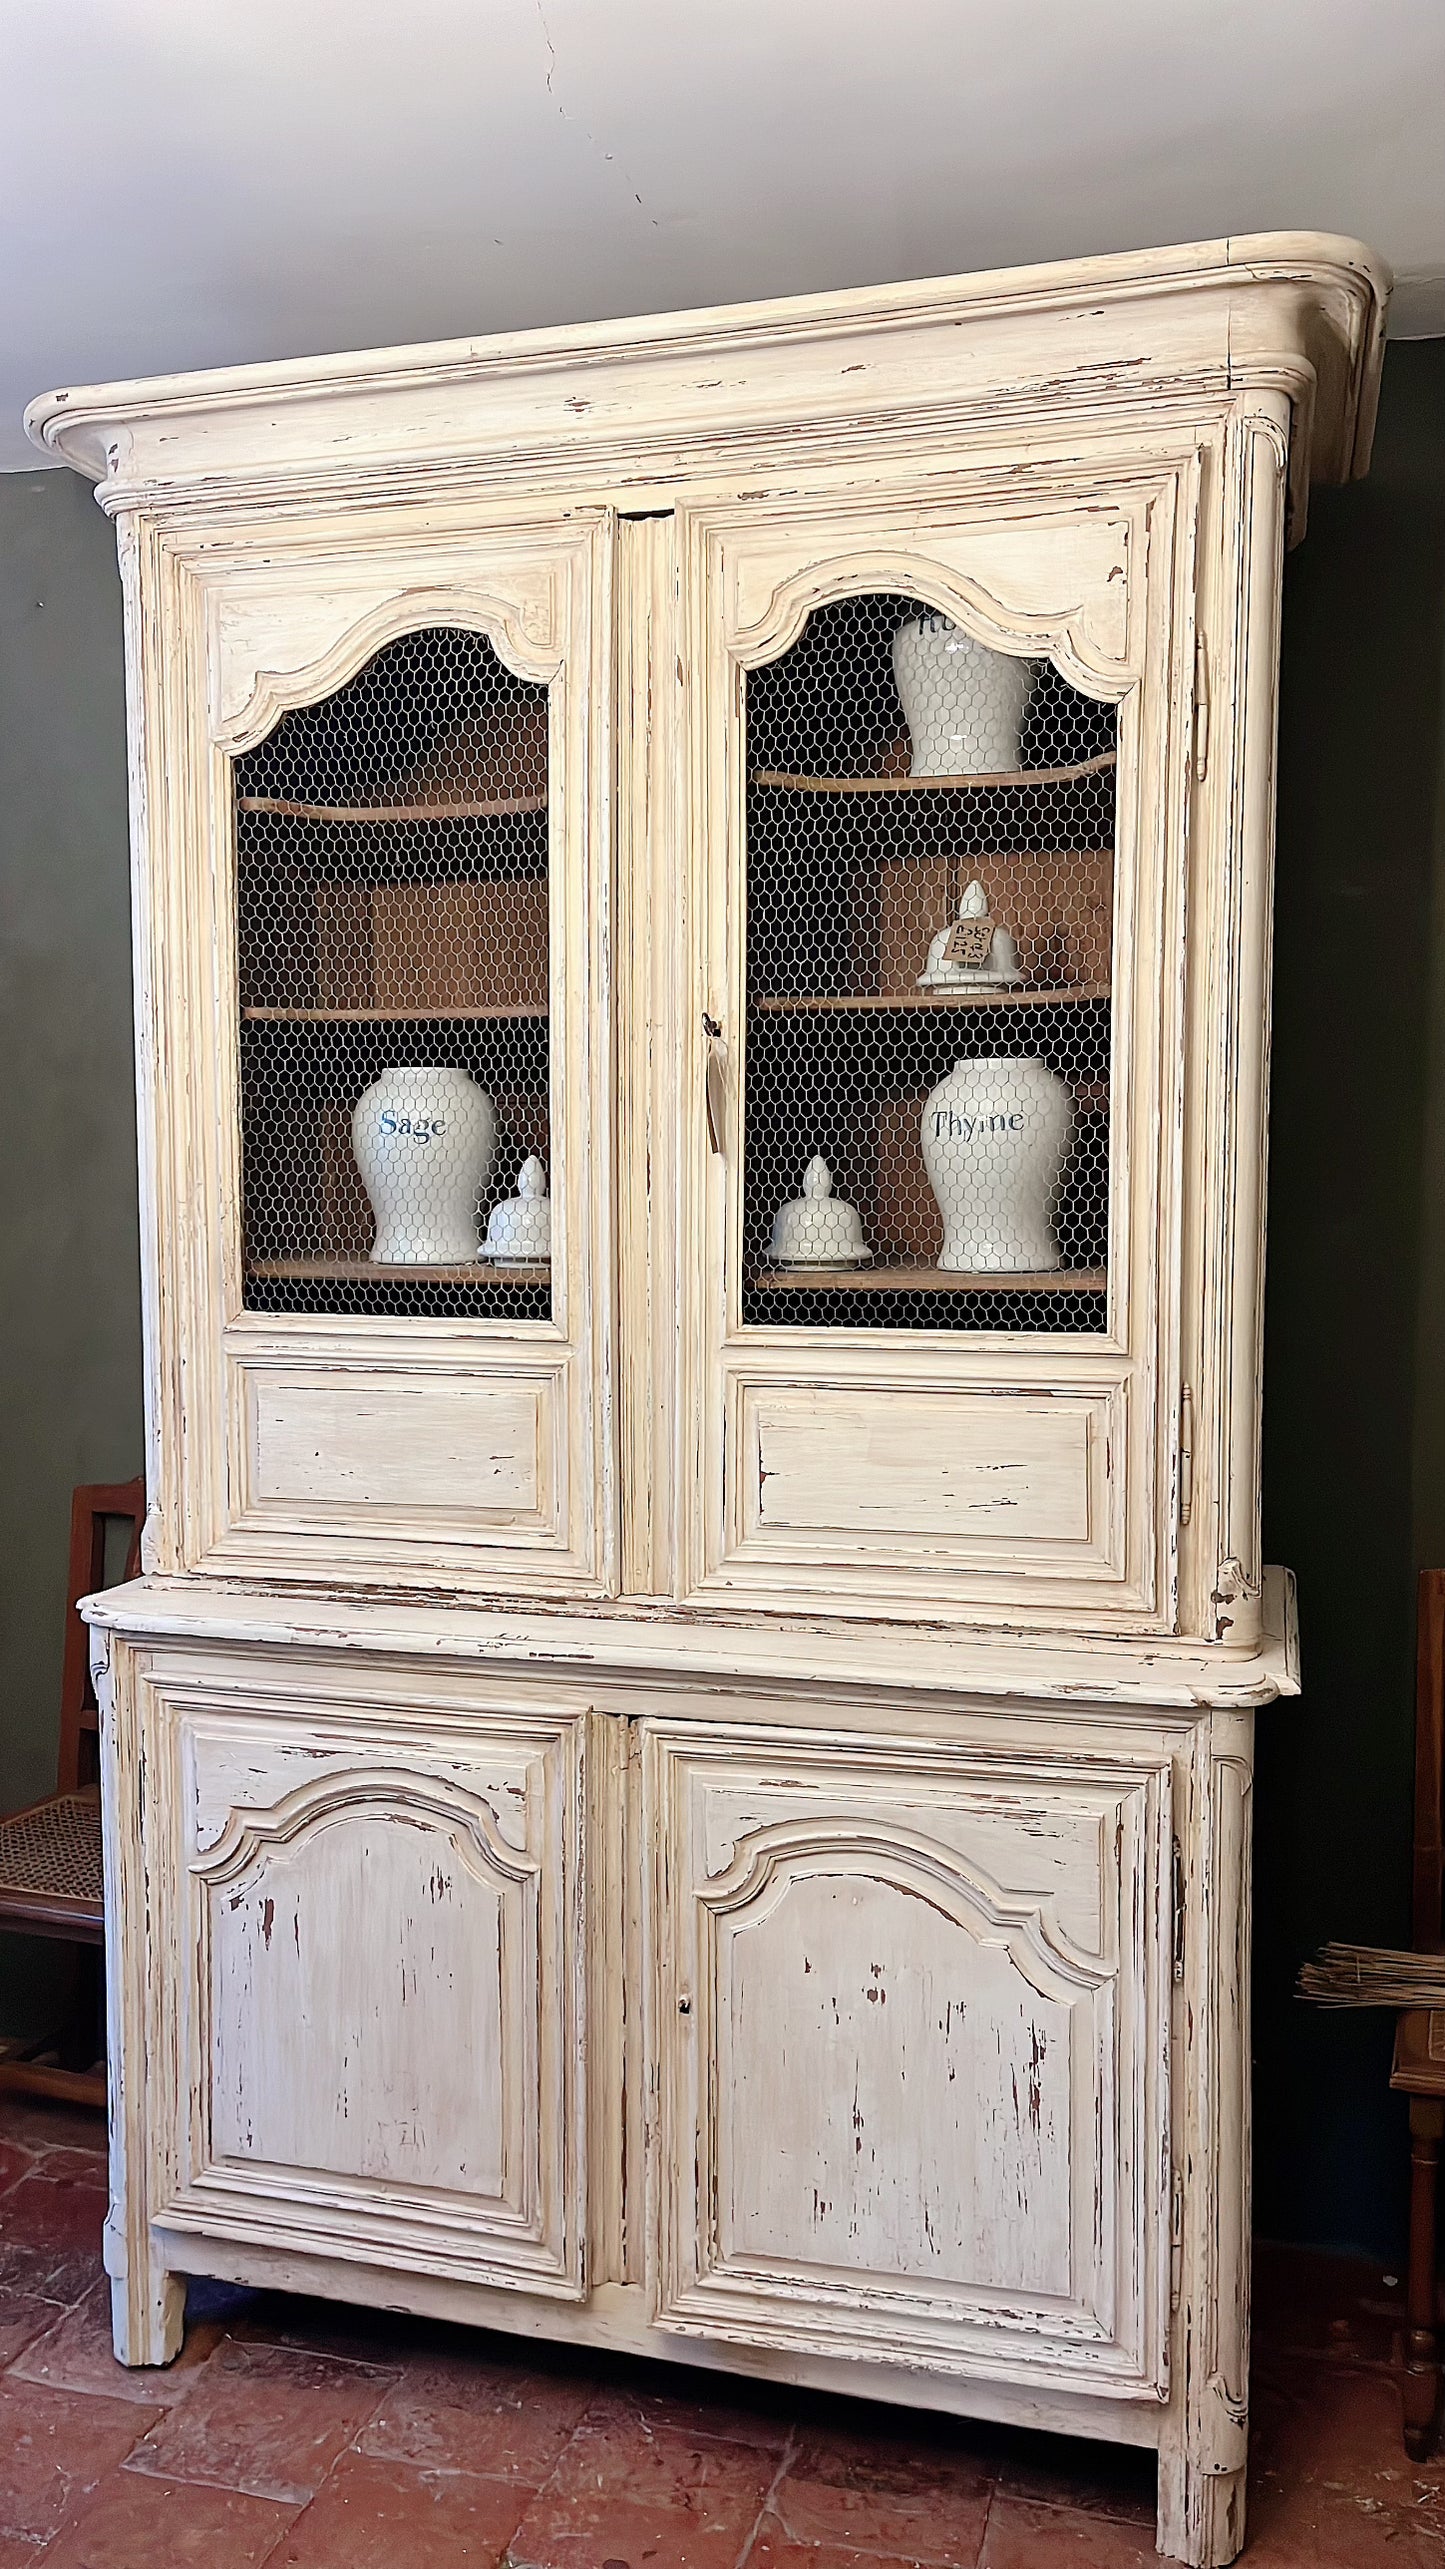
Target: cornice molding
1298	313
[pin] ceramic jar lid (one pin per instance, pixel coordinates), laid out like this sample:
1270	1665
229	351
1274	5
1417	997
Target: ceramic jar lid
817	1229
519	1233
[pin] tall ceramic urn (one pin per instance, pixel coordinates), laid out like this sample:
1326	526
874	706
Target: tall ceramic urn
423	1142
963	703
995	1132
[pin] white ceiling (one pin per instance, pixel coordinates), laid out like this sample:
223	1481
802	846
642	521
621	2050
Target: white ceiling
199	182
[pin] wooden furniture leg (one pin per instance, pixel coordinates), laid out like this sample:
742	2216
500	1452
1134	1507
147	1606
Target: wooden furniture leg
1422	2357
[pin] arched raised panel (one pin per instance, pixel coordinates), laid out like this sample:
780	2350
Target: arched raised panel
896	2095
879	1984
372	1963
386	2019
272	648
1050	582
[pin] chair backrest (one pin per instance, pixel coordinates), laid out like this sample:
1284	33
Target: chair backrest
93	1506
1429	1897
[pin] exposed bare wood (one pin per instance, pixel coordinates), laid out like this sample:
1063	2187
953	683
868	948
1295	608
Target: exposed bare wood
933	1280
497	807
936	784
388	1016
1079	995
484	1271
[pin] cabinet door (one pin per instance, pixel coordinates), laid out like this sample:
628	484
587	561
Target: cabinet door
911	2050
379	2035
377	952
928	1252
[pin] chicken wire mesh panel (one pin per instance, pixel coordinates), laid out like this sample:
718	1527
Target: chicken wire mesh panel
393	947
930	886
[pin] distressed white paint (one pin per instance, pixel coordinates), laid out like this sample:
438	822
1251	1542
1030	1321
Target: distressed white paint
454	1448
954	1471
624	1827
900	2107
356	1974
380	2043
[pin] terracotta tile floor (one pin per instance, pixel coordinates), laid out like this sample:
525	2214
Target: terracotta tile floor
306	2436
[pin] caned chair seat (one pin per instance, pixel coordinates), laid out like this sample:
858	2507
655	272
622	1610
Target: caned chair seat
50	1867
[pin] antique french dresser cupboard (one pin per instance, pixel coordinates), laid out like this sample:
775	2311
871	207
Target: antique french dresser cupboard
667	1798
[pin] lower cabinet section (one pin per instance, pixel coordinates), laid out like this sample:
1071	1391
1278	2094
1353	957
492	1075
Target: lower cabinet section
378	2020
883	2020
910	2047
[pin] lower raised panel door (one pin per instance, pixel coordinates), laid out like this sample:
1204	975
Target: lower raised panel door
382	2035
909	2034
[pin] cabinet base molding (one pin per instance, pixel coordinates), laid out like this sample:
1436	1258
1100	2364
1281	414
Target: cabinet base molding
614	2319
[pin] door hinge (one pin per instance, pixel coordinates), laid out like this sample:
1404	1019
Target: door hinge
1178	1910
1176	2237
1186	1453
1201	709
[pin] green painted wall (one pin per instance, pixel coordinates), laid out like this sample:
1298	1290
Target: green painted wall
70	1397
1355	1407
1354	1475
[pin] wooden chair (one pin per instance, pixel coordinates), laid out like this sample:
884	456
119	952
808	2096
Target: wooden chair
1419	2032
50	1865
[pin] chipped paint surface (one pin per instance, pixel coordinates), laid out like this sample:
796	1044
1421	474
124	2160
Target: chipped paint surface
785	1960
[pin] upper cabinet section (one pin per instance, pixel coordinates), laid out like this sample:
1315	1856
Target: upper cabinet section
703	932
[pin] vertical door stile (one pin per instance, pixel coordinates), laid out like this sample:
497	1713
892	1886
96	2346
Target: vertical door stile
651	881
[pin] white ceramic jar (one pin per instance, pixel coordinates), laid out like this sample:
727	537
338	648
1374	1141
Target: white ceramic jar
817	1229
963	703
519	1233
995	1132
423	1141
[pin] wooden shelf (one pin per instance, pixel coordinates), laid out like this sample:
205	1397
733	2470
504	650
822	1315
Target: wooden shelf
281	809
1014	776
482	1271
389	1016
883	1279
1076	994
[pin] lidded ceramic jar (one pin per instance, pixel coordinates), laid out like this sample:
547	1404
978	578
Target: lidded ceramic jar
995	1132
519	1231
817	1229
998	965
423	1142
963	703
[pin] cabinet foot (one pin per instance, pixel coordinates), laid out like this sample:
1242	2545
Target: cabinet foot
147	2315
1201	2512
